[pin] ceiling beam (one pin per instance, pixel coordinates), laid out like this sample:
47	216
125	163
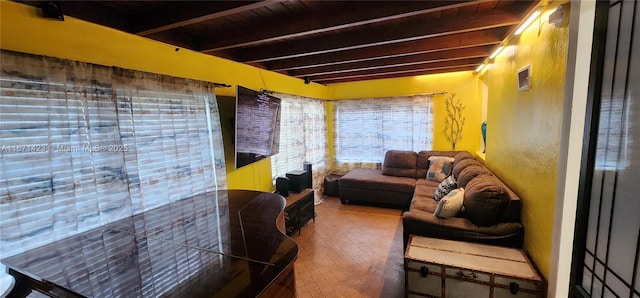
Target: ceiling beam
409	61
326	41
422	46
188	14
178	39
401	69
411	31
394	74
335	18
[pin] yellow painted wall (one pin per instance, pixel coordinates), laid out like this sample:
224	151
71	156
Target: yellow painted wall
463	84
523	130
22	29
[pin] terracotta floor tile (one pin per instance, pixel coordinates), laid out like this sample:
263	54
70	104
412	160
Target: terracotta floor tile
350	251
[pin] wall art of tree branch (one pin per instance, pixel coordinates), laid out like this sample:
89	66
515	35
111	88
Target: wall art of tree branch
454	121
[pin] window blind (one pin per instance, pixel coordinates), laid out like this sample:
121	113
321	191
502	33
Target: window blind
613	134
83	145
303	138
366	128
163	123
59	175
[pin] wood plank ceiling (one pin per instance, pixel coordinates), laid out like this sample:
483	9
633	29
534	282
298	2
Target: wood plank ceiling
321	41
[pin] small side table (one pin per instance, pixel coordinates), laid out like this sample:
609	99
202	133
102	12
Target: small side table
299	210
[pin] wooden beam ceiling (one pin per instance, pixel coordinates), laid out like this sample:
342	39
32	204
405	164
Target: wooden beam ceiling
325	41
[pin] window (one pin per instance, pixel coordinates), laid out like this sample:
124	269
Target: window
607	237
613	135
303	138
84	145
366	128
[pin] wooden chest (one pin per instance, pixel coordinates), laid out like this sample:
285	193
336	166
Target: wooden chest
445	268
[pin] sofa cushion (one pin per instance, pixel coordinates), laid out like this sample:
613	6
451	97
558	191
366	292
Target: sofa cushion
374	180
423	160
423	199
430	183
460	165
484	200
400	163
469	173
462	155
446	186
451	204
439	167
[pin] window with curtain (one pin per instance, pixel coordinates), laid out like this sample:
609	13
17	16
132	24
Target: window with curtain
613	133
606	251
366	128
303	138
167	123
84	145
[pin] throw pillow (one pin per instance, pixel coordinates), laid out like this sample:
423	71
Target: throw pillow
439	168
451	204
446	186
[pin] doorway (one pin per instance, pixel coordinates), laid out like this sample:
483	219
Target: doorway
607	243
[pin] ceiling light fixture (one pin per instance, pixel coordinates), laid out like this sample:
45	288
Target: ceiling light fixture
480	67
528	22
496	52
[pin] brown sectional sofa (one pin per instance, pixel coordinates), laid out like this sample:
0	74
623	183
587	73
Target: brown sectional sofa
491	213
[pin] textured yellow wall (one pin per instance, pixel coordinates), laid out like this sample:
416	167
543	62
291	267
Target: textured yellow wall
524	127
463	84
523	134
23	30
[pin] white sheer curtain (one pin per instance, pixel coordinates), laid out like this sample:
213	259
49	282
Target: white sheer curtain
166	124
366	128
83	145
303	138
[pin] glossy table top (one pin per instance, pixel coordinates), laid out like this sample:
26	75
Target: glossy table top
222	243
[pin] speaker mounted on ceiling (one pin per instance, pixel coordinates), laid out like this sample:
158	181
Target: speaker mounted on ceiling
52	10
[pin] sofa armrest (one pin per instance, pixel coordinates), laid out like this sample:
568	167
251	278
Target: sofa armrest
512	212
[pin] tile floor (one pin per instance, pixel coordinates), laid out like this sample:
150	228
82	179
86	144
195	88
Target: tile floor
350	251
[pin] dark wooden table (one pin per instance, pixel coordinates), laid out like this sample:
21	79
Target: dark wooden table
216	244
299	210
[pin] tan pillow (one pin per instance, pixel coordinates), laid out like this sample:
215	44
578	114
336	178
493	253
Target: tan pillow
439	168
451	204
